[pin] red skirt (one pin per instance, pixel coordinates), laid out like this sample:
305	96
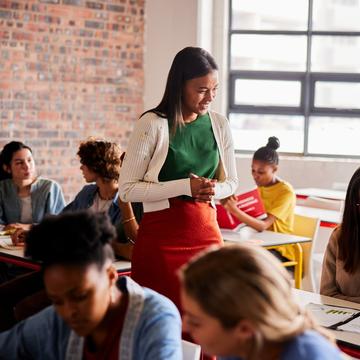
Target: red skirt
169	238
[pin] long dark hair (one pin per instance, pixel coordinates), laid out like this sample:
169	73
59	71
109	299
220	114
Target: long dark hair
189	63
268	154
349	239
7	154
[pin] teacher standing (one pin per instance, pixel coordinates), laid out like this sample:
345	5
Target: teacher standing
179	159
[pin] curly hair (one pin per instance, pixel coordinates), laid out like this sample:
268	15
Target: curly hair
101	157
78	238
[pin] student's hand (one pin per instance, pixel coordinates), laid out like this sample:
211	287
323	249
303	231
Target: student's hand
202	189
229	203
15	226
18	237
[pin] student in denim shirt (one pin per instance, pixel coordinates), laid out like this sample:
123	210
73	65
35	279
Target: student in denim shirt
24	197
238	304
100	164
94	315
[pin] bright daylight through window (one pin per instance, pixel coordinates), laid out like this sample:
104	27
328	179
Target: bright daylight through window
295	73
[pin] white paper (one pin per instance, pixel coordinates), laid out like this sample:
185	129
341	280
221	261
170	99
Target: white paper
6	243
352	326
327	315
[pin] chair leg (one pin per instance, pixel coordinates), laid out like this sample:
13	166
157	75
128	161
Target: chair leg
299	266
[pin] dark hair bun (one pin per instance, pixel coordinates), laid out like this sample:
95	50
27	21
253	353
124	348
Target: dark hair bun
273	143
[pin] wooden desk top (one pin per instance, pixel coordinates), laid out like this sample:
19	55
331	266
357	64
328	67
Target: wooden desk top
264	238
305	297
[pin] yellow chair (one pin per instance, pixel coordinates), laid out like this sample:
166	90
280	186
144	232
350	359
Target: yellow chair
307	227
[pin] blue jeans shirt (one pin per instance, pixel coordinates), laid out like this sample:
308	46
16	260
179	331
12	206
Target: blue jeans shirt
151	331
46	198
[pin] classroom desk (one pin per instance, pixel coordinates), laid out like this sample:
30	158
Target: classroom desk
305	297
321	193
328	218
16	257
264	238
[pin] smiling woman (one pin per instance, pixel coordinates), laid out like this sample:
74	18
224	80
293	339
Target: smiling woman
180	157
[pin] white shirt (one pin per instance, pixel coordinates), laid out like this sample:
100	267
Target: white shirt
146	154
26	210
100	205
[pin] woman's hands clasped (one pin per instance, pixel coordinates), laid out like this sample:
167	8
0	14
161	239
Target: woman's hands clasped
202	189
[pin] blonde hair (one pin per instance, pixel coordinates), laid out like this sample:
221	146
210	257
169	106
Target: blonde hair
247	282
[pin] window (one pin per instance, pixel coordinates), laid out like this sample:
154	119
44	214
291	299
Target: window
295	73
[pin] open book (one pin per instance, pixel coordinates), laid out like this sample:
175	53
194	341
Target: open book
335	317
249	202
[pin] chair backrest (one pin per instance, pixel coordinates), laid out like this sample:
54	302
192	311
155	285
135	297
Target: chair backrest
308	227
190	350
321	203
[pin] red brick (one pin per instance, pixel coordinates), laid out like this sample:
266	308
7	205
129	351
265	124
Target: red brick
60	81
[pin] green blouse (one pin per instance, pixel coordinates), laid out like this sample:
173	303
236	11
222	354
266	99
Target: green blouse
193	149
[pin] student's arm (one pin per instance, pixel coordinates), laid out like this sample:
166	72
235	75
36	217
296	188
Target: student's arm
130	227
257	224
56	201
160	336
328	284
36	337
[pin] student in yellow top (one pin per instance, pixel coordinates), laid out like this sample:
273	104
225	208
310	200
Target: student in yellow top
277	195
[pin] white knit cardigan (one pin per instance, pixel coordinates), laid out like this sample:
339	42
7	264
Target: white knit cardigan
147	152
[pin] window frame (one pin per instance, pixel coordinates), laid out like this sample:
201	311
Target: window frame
307	80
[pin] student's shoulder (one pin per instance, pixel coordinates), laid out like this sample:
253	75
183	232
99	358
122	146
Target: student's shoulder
286	186
5	184
311	345
42	182
156	303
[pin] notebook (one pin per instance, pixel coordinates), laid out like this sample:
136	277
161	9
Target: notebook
249	202
335	317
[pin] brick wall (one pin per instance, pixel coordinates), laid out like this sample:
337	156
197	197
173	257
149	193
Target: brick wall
69	69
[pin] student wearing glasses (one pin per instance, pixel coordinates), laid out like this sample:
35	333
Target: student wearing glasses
341	266
238	304
95	314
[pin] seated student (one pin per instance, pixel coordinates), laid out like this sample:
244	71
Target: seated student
25	198
100	164
341	266
94	315
277	195
238	304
